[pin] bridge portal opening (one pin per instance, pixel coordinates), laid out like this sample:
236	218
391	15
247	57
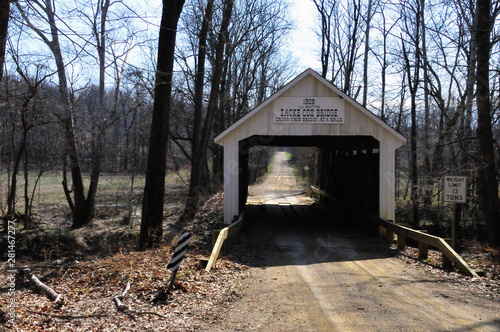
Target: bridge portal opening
345	167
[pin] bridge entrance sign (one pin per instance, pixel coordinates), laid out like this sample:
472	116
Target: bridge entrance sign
310	110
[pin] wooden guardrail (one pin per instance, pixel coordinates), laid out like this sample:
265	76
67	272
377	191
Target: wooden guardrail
226	234
388	229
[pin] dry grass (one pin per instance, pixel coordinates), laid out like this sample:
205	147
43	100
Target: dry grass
52	238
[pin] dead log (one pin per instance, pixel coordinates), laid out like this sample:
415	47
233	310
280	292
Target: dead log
52	294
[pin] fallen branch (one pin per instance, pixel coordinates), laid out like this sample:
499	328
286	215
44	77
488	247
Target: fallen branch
66	316
119	305
123	307
54	296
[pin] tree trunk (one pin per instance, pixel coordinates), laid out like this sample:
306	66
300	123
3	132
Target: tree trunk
488	178
352	48
385	65
154	190
84	212
4	24
11	198
79	219
428	186
471	79
413	86
367	50
27	205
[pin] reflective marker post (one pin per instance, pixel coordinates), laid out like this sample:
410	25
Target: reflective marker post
176	260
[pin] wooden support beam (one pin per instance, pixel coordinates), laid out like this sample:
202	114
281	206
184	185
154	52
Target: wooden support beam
216	250
228	232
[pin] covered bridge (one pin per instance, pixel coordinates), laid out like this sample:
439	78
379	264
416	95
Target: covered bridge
357	149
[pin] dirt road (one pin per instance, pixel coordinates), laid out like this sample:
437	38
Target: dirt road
311	275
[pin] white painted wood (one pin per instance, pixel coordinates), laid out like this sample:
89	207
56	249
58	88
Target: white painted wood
231	181
358	121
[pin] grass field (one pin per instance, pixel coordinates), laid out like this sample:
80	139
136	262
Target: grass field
115	190
52	236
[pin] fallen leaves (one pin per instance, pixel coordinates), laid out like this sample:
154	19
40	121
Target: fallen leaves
90	288
488	285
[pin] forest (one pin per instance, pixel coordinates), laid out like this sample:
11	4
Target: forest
96	89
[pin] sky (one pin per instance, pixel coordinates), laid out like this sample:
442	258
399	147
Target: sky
305	44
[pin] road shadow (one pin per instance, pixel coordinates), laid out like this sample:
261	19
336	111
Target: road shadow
283	234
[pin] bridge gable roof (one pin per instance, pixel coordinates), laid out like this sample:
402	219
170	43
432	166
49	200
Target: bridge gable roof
309	83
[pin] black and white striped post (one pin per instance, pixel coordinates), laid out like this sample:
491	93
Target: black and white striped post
179	252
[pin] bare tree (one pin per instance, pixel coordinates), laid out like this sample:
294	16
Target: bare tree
196	162
28	120
427	178
82	212
250	67
154	190
385	29
212	108
41	17
341	33
252	61
411	21
104	113
326	11
368	19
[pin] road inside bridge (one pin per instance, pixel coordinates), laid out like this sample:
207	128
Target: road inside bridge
308	274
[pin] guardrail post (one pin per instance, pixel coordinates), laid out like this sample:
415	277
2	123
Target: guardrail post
381	232
446	262
401	242
390	236
422	250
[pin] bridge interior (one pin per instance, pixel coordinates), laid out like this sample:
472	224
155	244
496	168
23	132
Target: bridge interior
347	169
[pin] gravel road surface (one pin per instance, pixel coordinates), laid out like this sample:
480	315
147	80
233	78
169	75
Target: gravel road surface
310	274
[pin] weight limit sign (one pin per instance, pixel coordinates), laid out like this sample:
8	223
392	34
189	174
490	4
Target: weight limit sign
455	189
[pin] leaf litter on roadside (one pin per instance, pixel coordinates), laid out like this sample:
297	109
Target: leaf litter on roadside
90	287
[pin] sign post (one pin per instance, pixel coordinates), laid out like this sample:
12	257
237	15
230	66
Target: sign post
455	191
